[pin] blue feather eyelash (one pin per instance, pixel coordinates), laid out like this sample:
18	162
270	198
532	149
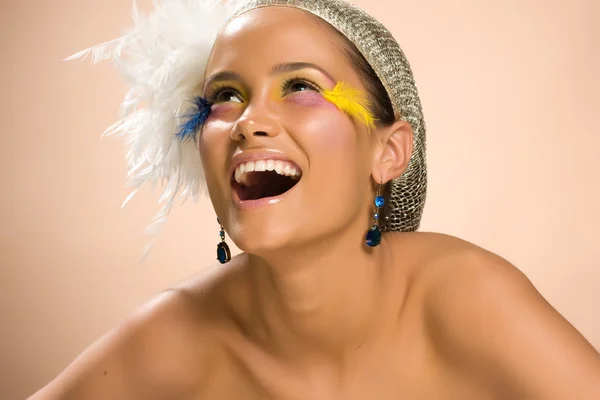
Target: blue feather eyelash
196	117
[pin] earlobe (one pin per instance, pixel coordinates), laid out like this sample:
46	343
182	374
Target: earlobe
397	144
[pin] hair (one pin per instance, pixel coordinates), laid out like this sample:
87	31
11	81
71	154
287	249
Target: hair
381	105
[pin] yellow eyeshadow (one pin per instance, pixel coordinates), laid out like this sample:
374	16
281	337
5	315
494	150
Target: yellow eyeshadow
352	101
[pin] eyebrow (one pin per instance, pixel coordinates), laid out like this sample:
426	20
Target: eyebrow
222	76
276	70
295	66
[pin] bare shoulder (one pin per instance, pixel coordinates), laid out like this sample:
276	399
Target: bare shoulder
486	318
163	349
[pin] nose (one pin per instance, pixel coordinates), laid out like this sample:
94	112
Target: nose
256	121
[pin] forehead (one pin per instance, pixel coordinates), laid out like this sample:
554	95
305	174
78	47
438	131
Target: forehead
278	34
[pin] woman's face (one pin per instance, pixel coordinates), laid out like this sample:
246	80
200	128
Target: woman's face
264	76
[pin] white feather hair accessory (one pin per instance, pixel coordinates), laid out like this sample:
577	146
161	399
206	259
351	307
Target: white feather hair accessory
163	58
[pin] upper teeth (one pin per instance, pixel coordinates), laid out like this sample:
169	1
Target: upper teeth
281	167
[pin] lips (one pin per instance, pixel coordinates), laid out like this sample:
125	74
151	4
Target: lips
262	178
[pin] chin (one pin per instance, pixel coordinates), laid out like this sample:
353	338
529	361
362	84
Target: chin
262	239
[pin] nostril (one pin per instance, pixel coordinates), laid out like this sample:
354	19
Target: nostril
260	133
236	135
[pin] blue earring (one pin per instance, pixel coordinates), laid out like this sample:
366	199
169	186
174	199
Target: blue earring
223	253
373	237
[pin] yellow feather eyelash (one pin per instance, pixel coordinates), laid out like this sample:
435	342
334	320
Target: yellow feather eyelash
352	101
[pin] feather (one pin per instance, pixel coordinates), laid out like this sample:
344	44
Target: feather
99	52
196	117
352	101
162	57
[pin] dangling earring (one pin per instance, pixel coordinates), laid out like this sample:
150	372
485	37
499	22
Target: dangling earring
373	237
223	253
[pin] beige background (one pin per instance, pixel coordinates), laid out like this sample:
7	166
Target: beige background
510	90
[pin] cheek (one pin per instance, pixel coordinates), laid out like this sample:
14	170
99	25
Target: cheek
214	132
334	135
334	143
334	138
338	166
214	149
321	123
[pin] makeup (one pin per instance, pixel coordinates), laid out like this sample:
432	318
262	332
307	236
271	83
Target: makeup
226	111
195	118
302	90
352	101
310	98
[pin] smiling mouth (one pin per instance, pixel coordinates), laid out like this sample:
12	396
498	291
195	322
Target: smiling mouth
255	180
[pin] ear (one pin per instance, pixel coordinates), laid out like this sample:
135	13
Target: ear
395	149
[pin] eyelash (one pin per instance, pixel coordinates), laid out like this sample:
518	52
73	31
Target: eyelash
218	90
286	84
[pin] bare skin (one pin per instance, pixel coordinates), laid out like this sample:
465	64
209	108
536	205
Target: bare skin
307	312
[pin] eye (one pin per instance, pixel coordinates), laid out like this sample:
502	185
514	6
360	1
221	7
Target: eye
298	85
224	95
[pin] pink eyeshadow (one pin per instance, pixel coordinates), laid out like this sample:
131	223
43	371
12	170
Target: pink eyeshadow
218	110
310	98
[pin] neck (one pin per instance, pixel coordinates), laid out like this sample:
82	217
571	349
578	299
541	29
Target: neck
327	298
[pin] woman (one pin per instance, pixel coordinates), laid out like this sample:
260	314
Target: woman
307	113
